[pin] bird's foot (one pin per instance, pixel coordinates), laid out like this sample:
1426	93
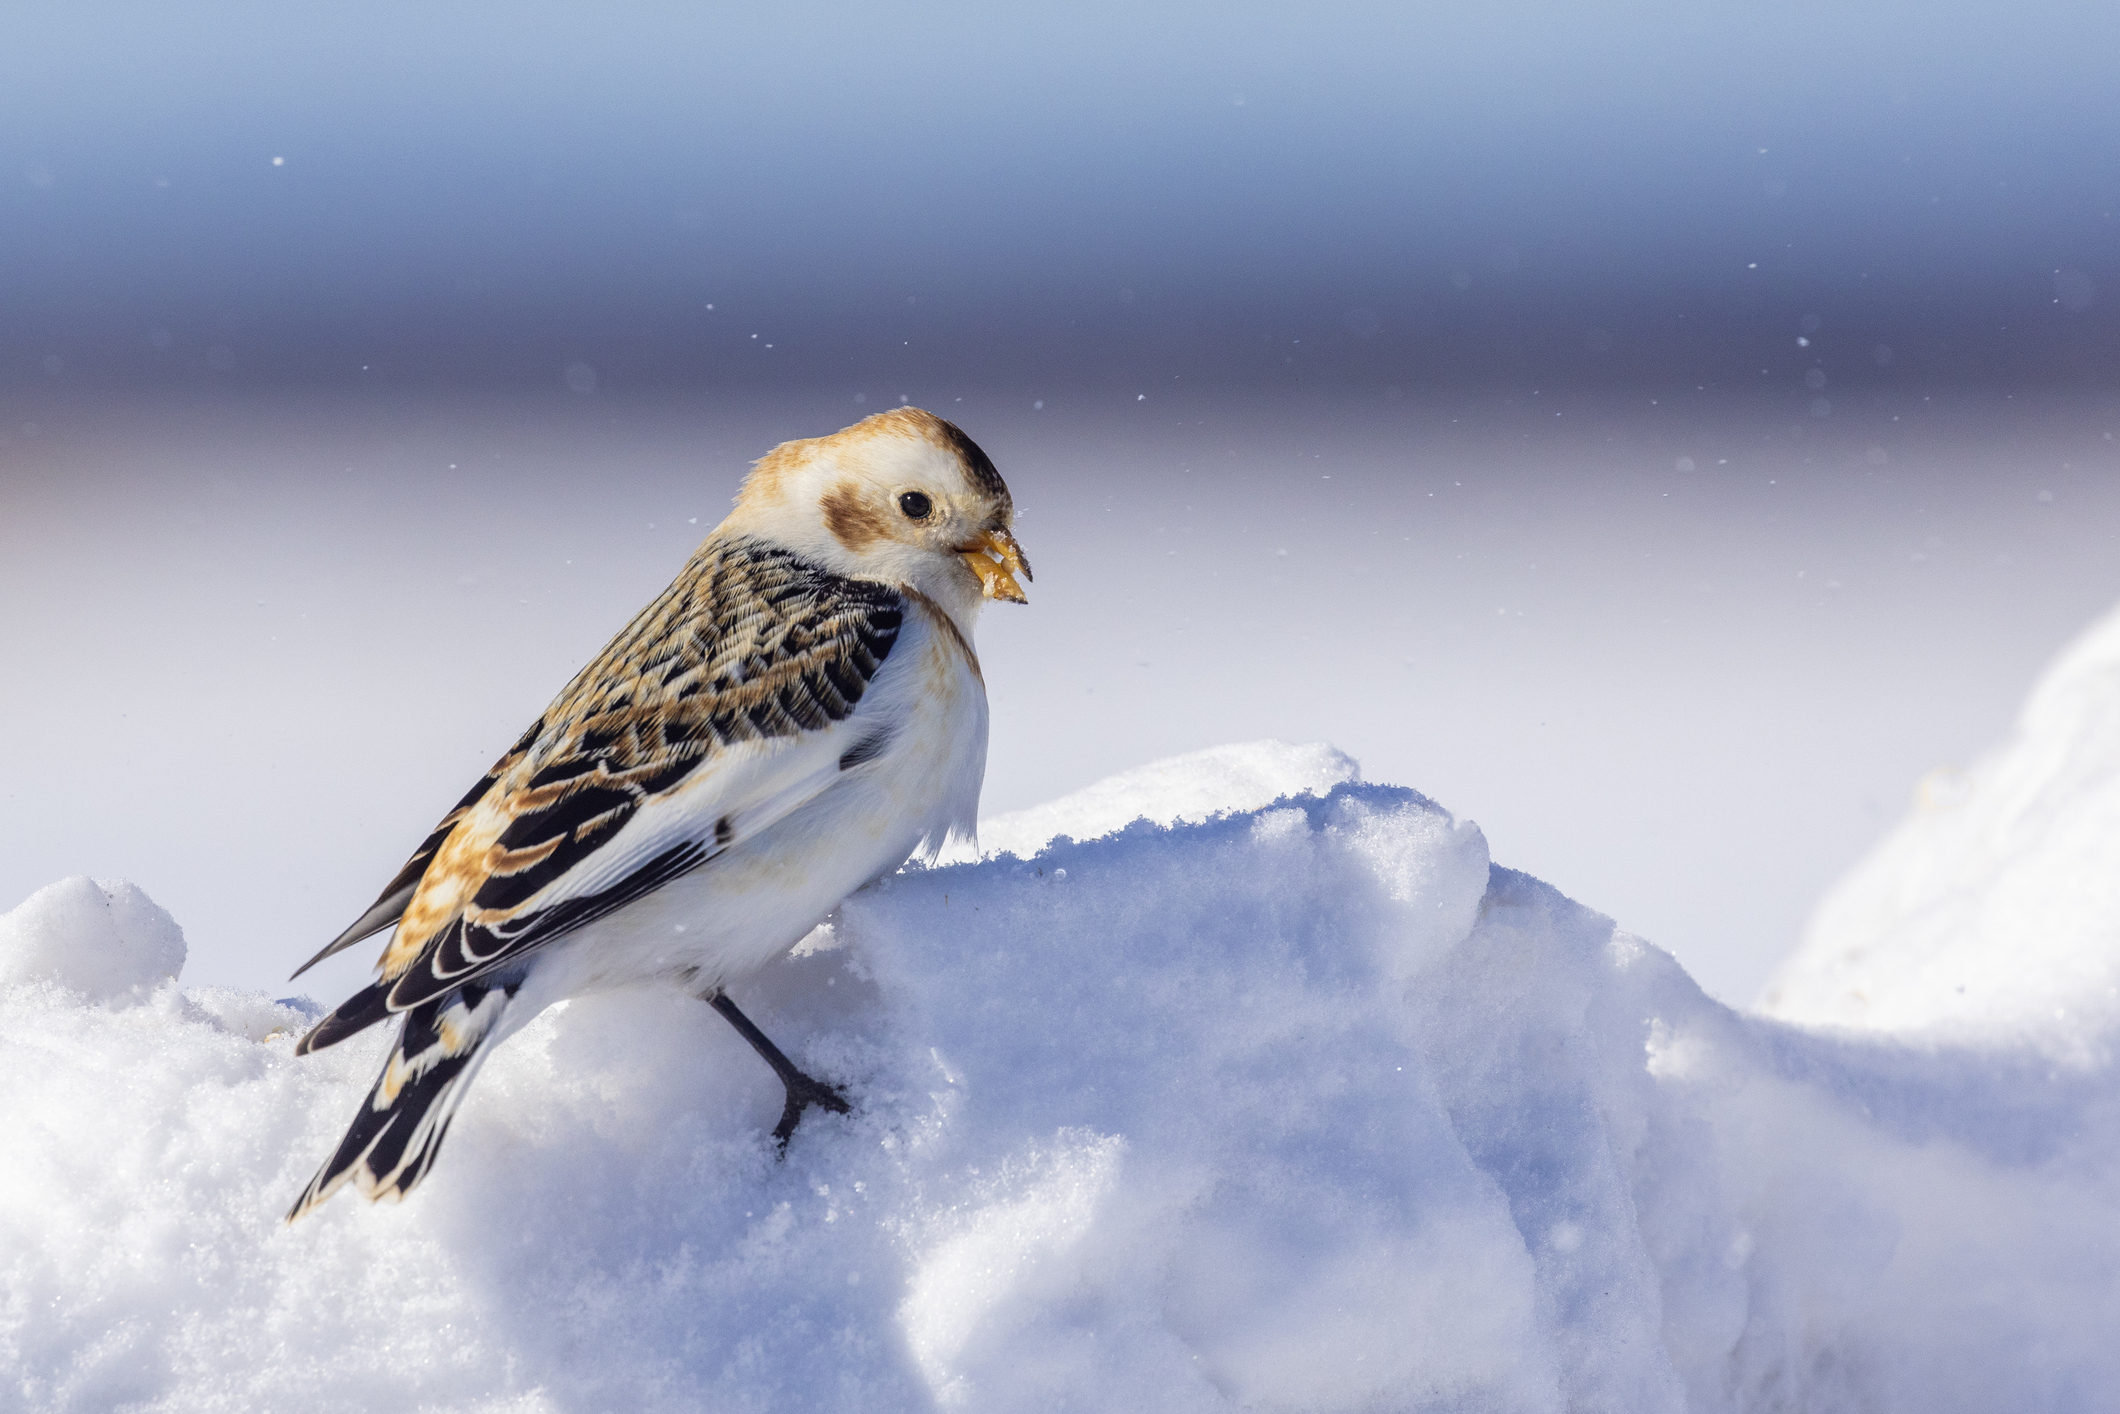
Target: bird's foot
802	1093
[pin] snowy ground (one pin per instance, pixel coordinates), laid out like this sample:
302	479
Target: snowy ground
1305	1105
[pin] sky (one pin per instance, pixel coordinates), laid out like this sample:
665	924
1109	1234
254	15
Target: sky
1662	433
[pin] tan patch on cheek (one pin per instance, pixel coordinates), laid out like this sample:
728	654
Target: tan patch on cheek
852	521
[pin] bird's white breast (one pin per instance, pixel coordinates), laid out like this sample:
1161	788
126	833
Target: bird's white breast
751	903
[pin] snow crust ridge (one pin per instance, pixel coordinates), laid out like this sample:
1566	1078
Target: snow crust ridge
1189	788
1306	1106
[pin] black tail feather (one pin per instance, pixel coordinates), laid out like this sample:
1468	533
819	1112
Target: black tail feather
356	1014
398	1131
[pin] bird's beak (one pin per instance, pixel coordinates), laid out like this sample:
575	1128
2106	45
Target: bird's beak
997	559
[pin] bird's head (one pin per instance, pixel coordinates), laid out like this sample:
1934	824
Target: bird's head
903	497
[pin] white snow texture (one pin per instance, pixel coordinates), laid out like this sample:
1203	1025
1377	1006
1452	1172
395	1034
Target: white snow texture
103	938
1992	914
1302	1107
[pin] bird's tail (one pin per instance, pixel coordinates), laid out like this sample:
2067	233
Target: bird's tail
399	1128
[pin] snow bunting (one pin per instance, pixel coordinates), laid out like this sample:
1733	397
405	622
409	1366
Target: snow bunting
800	712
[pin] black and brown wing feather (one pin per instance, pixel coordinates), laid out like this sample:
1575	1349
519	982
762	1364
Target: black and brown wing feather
749	643
389	905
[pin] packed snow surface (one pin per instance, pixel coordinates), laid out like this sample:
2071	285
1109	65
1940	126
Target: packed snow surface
1992	914
1304	1106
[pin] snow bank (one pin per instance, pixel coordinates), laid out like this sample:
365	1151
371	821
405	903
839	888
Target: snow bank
1302	1107
1188	789
103	938
1991	915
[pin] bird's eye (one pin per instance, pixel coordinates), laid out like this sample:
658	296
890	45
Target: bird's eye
916	505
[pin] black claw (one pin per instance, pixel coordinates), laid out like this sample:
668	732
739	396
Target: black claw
803	1091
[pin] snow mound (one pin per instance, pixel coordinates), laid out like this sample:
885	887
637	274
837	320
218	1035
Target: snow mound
1992	913
1304	1107
1188	788
103	938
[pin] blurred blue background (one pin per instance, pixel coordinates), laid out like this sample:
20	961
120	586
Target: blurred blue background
1661	432
481	195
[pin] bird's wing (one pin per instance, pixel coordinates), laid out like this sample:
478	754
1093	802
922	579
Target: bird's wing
720	709
389	905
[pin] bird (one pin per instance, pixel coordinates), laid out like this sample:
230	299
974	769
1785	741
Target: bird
800	712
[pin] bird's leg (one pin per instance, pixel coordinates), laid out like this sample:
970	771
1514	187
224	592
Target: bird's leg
803	1090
